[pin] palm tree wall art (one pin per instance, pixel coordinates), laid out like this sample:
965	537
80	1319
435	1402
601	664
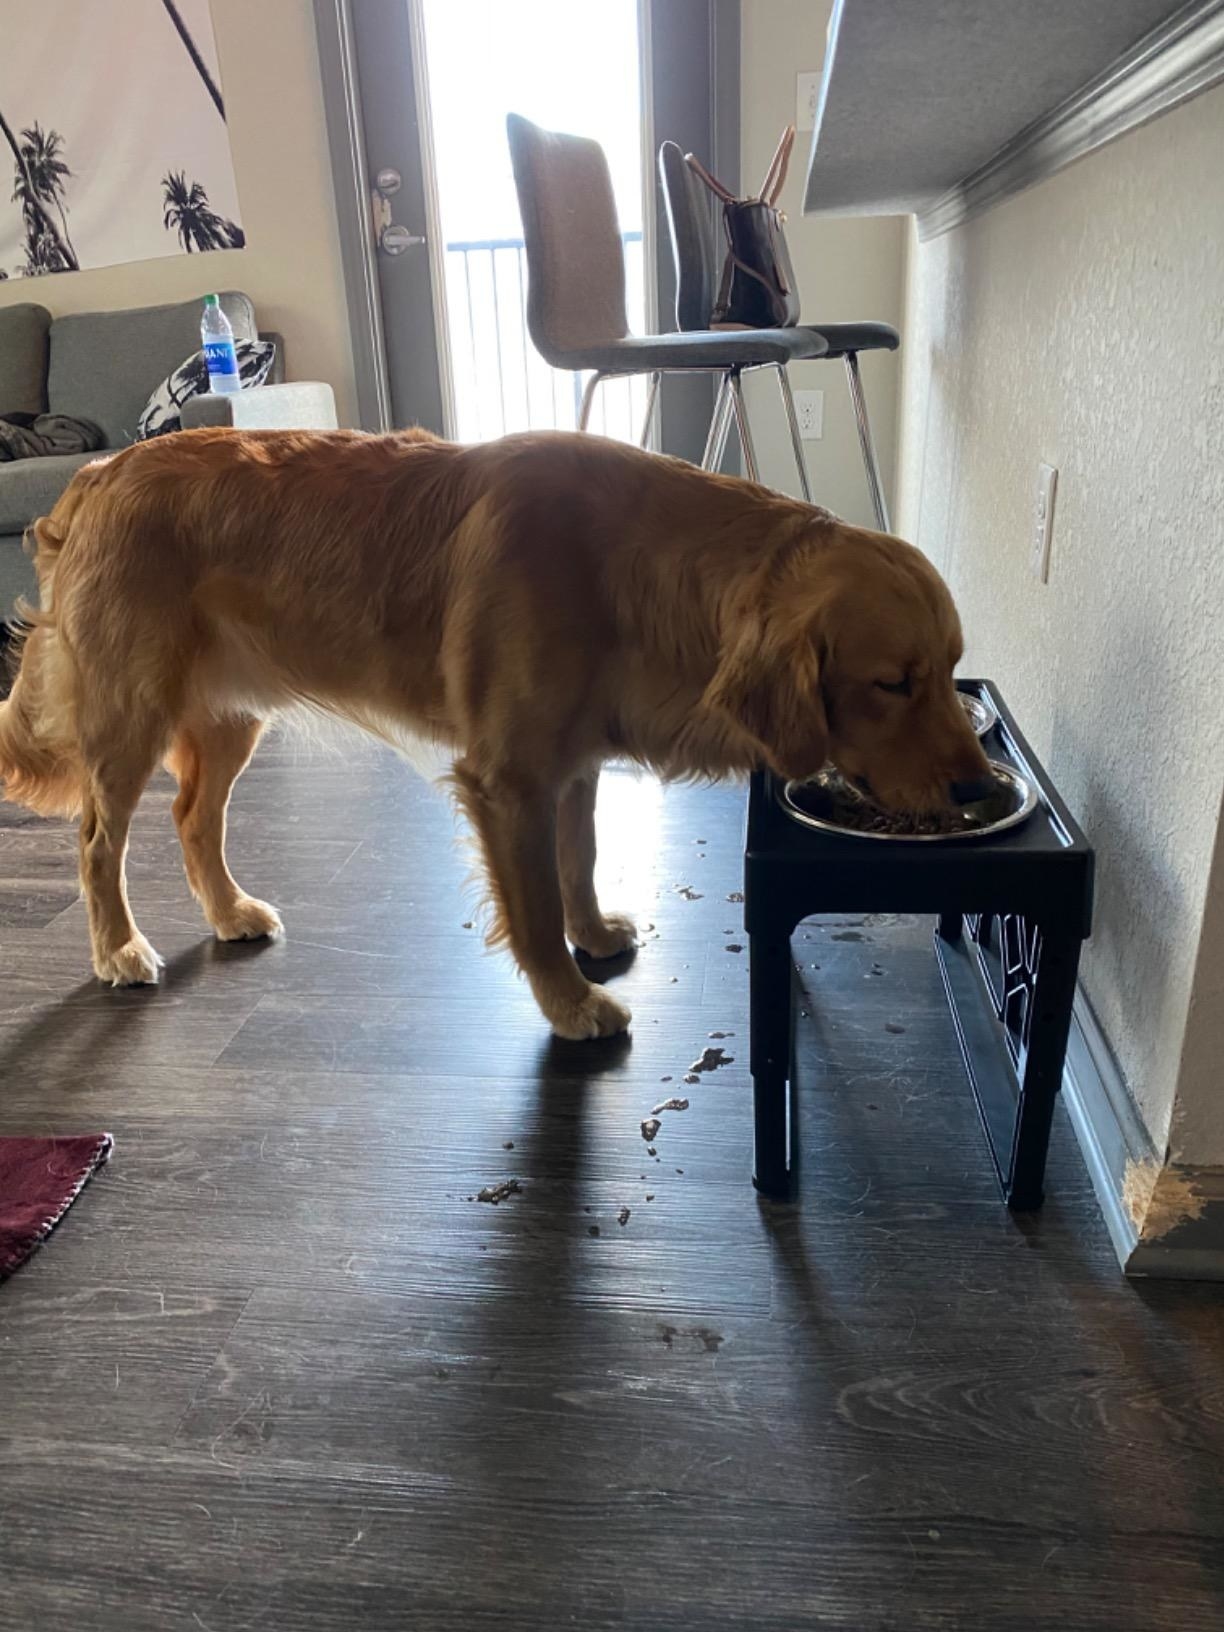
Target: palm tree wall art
144	172
188	212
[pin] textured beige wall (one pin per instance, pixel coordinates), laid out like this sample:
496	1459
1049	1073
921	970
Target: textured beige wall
848	269
291	266
1082	323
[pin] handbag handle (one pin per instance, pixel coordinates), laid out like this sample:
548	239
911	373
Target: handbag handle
775	176
712	182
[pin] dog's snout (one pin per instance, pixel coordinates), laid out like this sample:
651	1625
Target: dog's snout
969	792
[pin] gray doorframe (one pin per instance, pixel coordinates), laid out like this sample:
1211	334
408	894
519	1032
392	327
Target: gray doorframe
346	140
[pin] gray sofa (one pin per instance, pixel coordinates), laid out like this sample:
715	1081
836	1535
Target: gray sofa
103	366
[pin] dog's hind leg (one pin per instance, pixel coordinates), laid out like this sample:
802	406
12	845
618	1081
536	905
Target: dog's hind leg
113	785
516	821
208	756
587	927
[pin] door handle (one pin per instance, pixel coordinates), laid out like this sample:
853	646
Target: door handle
394	239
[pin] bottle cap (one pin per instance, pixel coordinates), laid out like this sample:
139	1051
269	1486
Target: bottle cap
210	300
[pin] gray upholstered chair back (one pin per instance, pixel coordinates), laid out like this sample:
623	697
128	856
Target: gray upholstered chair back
692	217
575	258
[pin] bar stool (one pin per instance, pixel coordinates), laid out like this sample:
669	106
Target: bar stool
690	215
576	292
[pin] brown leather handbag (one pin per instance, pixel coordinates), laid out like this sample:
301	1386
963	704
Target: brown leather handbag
758	289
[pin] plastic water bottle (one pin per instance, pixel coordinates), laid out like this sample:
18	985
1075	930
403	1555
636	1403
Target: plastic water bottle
219	353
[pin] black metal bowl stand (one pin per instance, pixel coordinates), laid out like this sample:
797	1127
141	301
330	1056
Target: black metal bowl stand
1012	913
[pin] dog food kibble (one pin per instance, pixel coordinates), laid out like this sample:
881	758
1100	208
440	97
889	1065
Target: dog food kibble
650	1198
650	1127
735	947
718	1035
592	1229
736	896
507	1144
671	1105
689	893
711	1059
665	1079
896	1030
622	1218
831	800
494	1193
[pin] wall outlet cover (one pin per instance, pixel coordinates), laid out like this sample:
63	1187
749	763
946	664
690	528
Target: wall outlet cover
809	410
807	98
1043	521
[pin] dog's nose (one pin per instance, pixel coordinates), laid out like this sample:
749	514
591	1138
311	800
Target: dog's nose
968	793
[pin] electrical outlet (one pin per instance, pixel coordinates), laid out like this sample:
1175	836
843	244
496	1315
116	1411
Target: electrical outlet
1043	521
807	98
809	410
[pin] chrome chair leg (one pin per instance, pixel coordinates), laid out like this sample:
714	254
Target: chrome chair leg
588	399
720	424
751	470
652	394
859	403
792	419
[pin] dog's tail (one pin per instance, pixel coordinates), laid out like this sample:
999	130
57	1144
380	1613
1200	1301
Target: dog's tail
40	766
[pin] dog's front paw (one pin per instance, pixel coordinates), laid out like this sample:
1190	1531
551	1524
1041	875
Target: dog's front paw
607	938
595	1015
133	964
249	920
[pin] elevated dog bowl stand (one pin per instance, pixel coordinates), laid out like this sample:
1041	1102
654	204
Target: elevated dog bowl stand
1012	911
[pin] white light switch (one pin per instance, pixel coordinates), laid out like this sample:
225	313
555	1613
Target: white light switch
807	99
809	410
1043	521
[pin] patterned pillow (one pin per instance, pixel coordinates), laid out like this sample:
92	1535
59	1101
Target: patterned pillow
162	412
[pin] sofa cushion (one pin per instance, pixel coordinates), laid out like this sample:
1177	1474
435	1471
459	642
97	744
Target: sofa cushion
29	487
23	358
104	365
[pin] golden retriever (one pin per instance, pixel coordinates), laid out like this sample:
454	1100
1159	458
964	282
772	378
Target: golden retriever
535	605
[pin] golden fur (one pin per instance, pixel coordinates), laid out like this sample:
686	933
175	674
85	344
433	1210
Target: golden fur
535	606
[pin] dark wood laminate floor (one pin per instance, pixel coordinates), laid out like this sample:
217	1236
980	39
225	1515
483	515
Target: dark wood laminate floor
278	1370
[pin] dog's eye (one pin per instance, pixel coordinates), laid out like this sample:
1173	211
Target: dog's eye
897	688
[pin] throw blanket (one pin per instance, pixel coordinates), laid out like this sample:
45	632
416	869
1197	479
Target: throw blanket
39	1181
37	436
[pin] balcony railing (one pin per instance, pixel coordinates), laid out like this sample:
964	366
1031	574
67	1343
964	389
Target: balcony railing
501	382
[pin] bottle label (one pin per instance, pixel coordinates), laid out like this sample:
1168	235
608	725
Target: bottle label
221	357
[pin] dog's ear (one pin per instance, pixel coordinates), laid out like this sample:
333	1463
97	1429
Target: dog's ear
767	685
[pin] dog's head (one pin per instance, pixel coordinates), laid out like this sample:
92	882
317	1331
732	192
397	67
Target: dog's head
846	654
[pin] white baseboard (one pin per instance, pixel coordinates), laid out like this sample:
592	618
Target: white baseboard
1112	1138
1106	1123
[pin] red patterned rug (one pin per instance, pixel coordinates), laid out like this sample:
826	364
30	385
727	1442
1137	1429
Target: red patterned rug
39	1181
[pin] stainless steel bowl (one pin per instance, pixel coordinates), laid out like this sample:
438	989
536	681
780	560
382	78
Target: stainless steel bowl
983	715
819	803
